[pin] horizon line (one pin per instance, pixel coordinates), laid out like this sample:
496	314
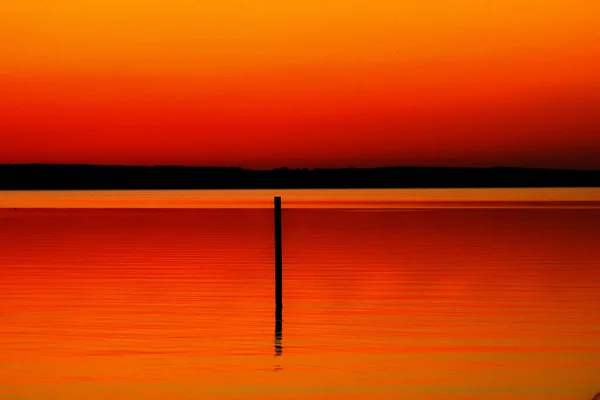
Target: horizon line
291	168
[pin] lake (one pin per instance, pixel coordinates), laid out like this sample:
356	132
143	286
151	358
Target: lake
388	294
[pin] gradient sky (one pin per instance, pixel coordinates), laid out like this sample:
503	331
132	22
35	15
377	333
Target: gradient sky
310	83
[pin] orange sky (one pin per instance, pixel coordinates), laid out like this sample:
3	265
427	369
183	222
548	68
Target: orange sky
303	84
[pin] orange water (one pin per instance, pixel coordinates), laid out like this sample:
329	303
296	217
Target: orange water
453	303
294	198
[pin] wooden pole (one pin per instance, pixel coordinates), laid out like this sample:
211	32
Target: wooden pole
278	280
278	257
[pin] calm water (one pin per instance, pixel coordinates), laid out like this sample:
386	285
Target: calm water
399	299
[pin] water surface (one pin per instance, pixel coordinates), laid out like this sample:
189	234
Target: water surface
414	302
305	198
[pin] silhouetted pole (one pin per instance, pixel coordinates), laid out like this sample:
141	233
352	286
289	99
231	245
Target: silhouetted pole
278	258
278	280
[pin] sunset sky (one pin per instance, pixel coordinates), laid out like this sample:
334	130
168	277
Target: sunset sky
311	83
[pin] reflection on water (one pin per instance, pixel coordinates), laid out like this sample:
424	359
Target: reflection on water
178	304
278	336
278	332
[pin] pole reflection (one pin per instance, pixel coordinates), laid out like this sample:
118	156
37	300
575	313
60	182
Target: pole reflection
278	333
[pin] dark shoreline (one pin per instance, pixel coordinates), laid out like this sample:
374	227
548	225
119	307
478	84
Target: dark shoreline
100	177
